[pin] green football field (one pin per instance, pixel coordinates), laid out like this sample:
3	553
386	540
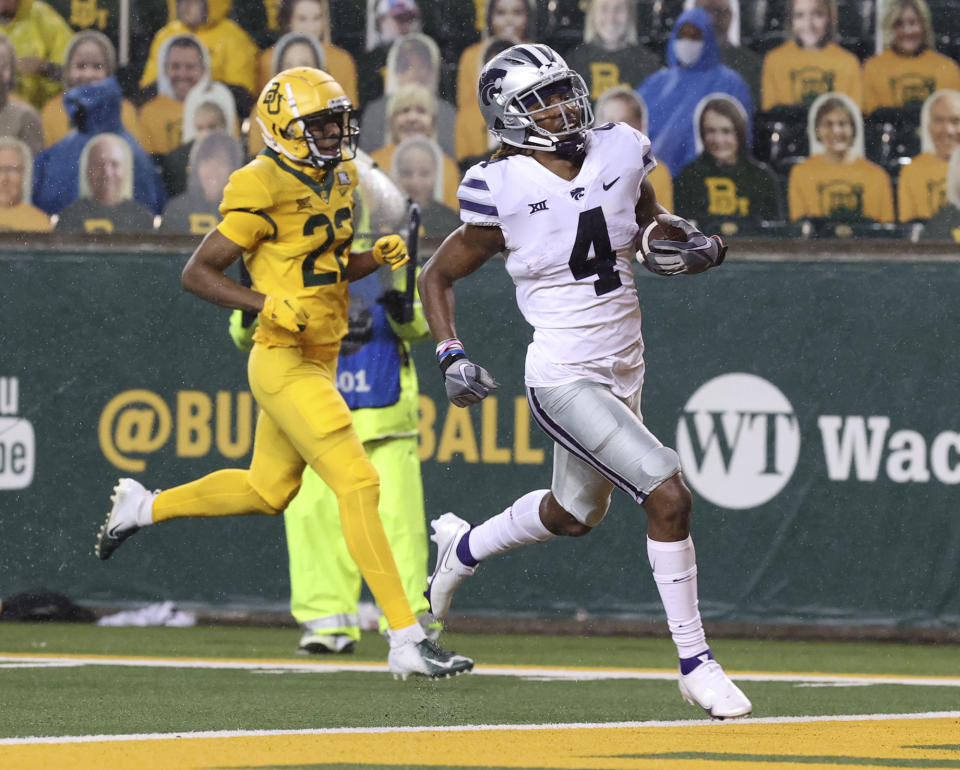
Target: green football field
77	696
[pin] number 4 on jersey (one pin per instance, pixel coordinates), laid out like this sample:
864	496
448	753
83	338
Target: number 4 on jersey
592	231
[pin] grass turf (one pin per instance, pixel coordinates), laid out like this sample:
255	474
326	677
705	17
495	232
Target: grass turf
612	651
85	700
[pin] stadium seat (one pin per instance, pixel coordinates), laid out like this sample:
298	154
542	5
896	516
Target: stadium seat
891	133
860	229
946	26
561	24
780	137
855	23
744	228
649	30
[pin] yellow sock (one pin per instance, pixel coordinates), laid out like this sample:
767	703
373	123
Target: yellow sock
221	493
368	545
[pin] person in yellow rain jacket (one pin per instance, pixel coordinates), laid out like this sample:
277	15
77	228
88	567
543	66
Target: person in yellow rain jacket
40	36
232	51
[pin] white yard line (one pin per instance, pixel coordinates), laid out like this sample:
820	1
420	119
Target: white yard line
573	674
477	728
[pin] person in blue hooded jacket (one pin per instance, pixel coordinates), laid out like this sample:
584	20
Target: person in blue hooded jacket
94	109
693	71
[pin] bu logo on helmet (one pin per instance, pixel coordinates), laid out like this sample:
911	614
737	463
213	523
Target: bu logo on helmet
491	84
271	98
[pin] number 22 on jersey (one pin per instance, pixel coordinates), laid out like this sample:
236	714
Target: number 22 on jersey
341	229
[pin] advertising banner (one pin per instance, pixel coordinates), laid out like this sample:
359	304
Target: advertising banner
813	406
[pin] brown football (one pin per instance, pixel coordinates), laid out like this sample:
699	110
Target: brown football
656	232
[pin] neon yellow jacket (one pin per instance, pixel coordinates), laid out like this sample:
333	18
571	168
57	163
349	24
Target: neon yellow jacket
38	30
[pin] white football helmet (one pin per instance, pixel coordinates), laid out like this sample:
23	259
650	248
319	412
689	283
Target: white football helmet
514	90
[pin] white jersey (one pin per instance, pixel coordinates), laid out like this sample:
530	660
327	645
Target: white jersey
570	250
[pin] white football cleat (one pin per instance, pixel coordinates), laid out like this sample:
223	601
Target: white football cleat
126	517
708	687
425	658
317	643
450	572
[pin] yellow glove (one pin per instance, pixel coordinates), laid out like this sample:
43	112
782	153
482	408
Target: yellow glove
391	250
286	313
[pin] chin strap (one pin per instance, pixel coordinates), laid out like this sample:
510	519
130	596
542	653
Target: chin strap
571	147
568	147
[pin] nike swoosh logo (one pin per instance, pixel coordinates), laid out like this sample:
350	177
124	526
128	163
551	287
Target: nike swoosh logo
608	186
443	561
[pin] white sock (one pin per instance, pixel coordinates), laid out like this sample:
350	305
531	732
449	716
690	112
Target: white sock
414	633
517	525
145	509
675	572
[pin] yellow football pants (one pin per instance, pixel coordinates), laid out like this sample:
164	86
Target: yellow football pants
303	420
324	580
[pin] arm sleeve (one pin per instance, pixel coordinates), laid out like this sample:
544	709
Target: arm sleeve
850	79
245	206
768	83
31	132
56	35
795	194
885	188
907	210
639	155
240	64
775	201
150	68
477	206
415	330
872	85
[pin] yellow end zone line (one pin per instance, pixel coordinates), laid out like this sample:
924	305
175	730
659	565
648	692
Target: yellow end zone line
571	673
705	723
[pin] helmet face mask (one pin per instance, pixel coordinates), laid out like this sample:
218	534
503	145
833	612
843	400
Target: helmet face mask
295	111
313	131
561	98
529	83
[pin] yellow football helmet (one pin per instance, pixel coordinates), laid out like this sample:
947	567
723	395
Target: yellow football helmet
296	110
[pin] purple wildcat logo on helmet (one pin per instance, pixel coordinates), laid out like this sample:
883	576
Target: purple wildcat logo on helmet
490	85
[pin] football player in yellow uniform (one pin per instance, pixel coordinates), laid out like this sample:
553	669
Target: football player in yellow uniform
288	214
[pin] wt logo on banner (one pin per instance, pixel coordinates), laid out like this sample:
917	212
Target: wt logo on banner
738	441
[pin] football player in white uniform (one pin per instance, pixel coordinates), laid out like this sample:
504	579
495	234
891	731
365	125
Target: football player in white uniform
564	201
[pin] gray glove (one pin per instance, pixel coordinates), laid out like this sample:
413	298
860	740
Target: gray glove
466	382
693	255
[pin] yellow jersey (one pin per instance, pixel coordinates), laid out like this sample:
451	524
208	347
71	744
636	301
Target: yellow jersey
295	225
922	187
795	76
855	190
892	80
